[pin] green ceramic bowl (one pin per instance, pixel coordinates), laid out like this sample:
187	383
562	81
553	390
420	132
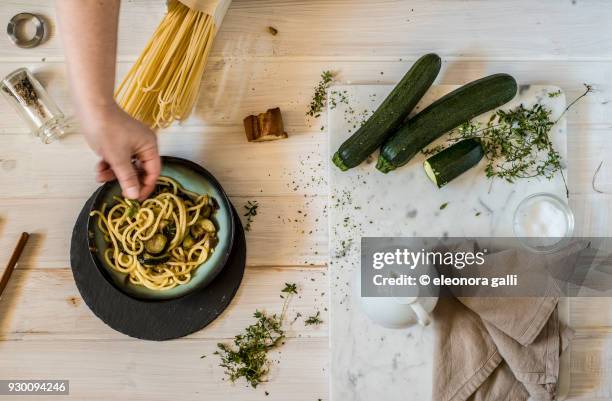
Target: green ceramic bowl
194	178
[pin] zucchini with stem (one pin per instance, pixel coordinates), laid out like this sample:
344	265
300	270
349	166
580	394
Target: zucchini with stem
390	114
443	115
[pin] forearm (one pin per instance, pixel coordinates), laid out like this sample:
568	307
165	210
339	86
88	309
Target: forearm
89	33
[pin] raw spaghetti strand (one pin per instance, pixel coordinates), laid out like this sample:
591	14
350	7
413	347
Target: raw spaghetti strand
158	244
163	84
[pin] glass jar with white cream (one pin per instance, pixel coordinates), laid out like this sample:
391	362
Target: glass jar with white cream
542	221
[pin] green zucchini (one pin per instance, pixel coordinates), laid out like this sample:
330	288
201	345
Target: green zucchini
188	242
157	244
151	260
445	166
390	114
443	115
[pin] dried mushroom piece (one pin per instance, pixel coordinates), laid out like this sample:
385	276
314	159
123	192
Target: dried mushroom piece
266	126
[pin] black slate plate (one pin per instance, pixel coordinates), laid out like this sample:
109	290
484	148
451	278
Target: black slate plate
159	320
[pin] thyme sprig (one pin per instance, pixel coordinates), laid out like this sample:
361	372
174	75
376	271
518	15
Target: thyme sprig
251	212
516	142
319	98
248	356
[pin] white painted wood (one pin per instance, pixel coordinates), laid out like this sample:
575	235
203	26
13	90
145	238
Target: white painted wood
29	169
44	304
42	187
292	242
289	167
288	230
102	370
520	29
236	87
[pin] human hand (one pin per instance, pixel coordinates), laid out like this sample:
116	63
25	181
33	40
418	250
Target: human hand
127	148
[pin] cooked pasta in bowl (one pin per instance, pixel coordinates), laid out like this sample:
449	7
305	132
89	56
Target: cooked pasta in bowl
170	244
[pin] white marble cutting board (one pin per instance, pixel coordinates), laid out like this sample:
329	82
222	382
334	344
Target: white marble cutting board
370	362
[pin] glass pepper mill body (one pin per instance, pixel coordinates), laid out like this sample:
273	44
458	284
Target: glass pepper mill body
32	102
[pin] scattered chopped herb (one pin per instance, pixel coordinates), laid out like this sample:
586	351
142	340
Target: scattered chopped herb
340	97
203	356
345	245
352	117
297	316
593	182
443	206
273	31
478	214
313	319
251	212
248	355
555	93
319	99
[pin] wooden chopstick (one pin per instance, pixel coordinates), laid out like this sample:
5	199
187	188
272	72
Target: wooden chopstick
13	261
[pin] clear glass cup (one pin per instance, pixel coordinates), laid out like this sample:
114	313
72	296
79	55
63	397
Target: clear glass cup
540	243
32	102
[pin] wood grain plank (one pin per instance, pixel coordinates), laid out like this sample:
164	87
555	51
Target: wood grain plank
171	370
234	88
591	364
30	169
593	214
382	28
303	363
46	305
591	313
287	231
289	167
249	71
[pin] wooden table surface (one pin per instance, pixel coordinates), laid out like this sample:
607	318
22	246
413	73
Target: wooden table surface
47	332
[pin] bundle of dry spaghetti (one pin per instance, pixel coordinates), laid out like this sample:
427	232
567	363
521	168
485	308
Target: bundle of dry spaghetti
163	84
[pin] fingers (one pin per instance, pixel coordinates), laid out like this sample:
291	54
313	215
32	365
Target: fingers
150	164
137	182
104	172
127	175
101	166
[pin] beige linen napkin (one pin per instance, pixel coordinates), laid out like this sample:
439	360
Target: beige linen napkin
499	348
